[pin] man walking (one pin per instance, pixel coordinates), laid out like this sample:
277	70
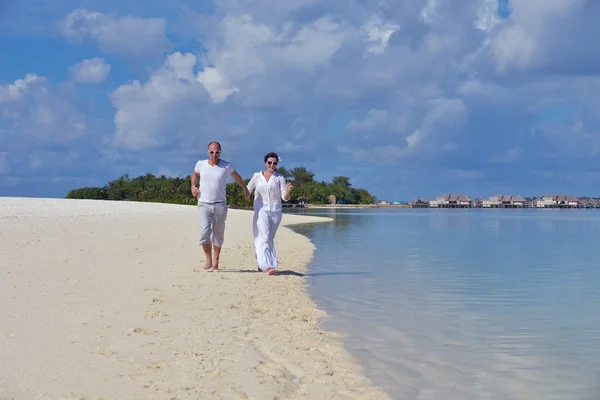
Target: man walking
212	175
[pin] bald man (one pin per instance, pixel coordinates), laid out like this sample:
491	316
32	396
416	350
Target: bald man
209	181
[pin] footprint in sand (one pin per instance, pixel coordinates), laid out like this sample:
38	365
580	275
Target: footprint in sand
150	289
272	369
141	331
155	314
104	352
156	365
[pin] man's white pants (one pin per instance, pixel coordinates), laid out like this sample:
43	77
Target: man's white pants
211	217
265	226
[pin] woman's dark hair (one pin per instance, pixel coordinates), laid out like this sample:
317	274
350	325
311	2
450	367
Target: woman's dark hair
271	155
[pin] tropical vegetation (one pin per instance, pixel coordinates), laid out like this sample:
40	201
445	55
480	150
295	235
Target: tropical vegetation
162	189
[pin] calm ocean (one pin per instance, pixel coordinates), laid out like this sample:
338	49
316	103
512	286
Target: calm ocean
464	304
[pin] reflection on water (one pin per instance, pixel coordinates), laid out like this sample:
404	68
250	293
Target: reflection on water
465	304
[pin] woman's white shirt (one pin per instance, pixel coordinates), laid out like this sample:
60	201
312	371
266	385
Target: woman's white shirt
267	194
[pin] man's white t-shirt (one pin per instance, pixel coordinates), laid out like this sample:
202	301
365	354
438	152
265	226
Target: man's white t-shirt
213	180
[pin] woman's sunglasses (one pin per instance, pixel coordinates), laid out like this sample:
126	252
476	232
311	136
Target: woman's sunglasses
271	162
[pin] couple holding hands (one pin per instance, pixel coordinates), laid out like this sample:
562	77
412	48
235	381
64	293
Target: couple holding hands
269	189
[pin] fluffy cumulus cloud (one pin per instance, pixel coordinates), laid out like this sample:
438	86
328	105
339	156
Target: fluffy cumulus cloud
171	104
549	35
38	116
90	70
33	112
458	95
128	36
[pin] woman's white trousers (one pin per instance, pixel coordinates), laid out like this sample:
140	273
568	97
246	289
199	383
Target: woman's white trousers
265	226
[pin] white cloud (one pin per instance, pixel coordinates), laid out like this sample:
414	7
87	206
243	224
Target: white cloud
372	120
423	65
446	113
402	137
378	34
539	31
429	12
32	111
488	91
487	15
261	61
439	83
509	156
270	61
130	37
19	89
217	85
445	119
42	160
149	113
268	10
90	70
247	61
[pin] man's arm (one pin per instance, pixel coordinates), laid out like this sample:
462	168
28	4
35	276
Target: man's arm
251	186
195	178
236	177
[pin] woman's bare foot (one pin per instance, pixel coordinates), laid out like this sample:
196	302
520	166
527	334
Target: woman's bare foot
270	271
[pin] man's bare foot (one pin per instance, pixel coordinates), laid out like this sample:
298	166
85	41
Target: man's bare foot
270	271
215	265
208	265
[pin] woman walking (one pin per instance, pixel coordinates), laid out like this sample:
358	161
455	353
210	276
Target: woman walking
269	188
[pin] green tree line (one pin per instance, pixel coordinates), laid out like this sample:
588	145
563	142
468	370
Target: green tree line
162	189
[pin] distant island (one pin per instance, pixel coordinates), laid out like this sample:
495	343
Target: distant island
163	189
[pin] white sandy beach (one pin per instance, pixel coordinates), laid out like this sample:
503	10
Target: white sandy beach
109	300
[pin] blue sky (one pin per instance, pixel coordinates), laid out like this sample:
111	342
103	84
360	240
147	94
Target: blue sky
408	98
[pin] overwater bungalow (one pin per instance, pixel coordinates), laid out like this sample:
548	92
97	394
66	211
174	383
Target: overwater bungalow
589	203
454	201
420	203
558	201
504	201
491	202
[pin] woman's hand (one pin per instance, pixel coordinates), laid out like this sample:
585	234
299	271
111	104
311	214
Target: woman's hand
288	189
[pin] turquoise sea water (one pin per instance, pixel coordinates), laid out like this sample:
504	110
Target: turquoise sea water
464	304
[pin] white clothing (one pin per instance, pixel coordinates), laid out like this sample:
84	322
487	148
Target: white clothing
265	226
267	216
213	181
212	223
267	194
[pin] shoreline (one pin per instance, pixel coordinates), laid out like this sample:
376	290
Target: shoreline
358	206
109	299
335	206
